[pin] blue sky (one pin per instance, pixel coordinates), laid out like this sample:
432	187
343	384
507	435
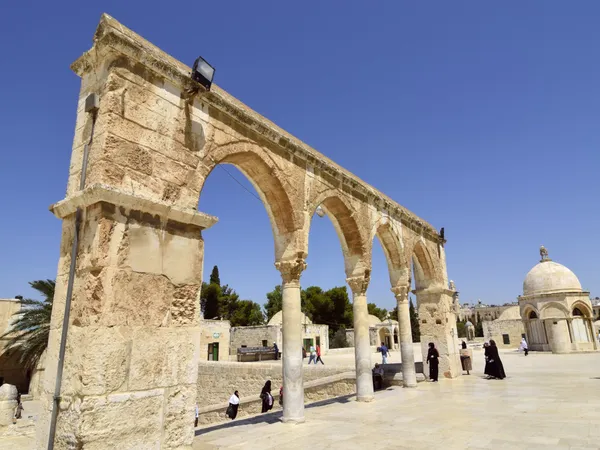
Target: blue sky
481	117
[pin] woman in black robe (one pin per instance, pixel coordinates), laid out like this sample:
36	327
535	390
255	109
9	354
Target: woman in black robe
266	397
486	353
234	404
494	367
433	361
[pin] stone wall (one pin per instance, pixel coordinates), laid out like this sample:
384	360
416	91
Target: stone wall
254	337
214	331
314	391
217	381
497	328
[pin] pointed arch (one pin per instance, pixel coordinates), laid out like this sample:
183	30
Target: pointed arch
423	265
340	212
393	249
583	309
262	172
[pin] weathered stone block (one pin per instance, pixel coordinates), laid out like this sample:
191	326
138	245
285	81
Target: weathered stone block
105	422
163	357
98	360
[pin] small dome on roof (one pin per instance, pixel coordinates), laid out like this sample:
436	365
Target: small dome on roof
549	276
277	319
512	313
469	323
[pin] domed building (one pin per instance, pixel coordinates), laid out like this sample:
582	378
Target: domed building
556	311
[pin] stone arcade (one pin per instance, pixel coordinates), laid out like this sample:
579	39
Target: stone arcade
132	349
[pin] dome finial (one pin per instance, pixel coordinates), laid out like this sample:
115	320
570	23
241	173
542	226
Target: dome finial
544	254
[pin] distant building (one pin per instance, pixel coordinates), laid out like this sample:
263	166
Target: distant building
507	330
11	370
385	331
556	311
266	335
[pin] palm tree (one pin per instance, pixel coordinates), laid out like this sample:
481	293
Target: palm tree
29	332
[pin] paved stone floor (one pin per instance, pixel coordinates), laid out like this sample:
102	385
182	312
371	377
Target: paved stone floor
548	401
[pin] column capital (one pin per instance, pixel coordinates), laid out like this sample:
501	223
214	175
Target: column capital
360	283
291	270
401	293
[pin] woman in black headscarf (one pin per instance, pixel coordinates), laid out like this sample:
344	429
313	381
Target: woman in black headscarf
494	367
234	404
266	397
433	361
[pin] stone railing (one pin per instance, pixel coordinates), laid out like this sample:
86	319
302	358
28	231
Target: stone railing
218	379
314	391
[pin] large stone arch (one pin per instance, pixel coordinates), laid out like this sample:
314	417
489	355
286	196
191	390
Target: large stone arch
423	265
350	231
146	138
268	179
393	248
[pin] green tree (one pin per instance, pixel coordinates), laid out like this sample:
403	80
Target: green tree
214	276
461	329
274	302
29	333
478	326
318	306
339	339
227	302
247	313
381	313
414	323
342	313
209	300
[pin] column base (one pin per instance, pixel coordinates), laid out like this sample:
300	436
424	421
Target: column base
365	398
293	420
410	386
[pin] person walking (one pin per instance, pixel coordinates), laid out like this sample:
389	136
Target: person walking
266	397
433	360
463	345
234	404
276	350
197	416
319	355
313	355
384	353
495	368
524	346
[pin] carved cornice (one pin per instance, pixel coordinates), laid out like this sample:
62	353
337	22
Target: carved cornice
291	270
100	193
359	284
112	34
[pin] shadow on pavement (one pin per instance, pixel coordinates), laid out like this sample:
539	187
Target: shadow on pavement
268	418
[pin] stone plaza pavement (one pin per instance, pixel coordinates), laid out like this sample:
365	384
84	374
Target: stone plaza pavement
548	401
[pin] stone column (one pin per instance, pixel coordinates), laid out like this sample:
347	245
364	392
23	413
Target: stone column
293	382
409	374
362	344
438	325
132	347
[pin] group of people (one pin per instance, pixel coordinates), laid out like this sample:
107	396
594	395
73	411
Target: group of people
315	354
493	365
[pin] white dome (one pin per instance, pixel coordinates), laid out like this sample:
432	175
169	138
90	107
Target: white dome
548	276
277	319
